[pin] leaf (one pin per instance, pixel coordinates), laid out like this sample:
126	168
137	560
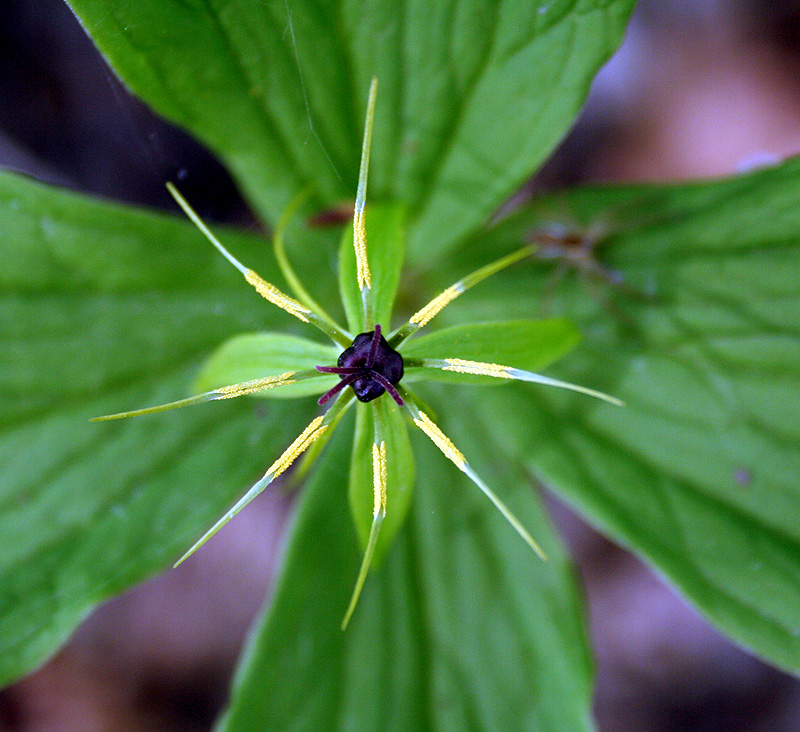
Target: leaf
526	75
385	226
698	474
297	73
530	345
256	355
195	62
458	587
104	308
400	470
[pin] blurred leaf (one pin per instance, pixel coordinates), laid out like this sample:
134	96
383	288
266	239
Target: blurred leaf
104	308
473	95
385	225
400	471
256	355
457	588
530	345
699	472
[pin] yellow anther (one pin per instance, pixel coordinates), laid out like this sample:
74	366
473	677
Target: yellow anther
360	244
250	387
379	476
441	440
478	368
424	316
307	436
276	297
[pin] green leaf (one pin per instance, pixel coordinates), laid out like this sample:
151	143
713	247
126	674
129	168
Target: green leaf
504	88
256	355
195	62
698	473
400	470
385	226
104	308
530	345
473	95
458	587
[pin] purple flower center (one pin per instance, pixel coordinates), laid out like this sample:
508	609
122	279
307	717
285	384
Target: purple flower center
370	366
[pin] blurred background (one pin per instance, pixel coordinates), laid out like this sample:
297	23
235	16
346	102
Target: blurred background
700	88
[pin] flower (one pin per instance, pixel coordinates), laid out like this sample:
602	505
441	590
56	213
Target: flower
371	367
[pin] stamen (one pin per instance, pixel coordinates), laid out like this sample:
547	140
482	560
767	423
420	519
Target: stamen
360	244
507	372
454	454
251	387
477	367
359	233
224	392
379	476
310	434
379	480
441	440
264	288
435	306
276	297
304	439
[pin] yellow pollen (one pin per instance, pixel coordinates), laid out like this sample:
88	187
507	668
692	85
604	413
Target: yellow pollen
440	440
250	387
276	297
478	368
424	316
379	476
360	244
306	437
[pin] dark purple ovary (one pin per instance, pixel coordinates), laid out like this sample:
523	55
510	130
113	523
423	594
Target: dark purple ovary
370	366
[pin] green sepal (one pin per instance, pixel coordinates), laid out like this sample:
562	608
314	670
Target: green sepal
256	355
530	345
385	225
400	470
